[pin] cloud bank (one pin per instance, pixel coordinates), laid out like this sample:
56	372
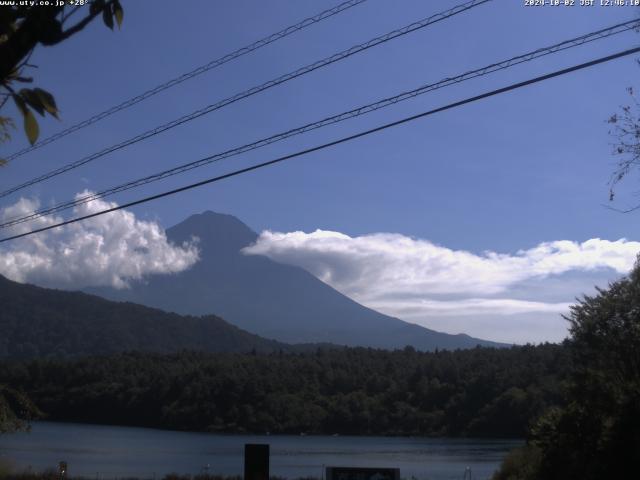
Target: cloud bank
109	250
432	285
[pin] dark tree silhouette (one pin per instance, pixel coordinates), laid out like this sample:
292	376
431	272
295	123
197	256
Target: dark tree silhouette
16	410
625	128
22	28
476	392
597	433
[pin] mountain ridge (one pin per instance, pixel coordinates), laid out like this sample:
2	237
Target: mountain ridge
268	298
41	322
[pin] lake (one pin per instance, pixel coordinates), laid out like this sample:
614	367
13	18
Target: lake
110	452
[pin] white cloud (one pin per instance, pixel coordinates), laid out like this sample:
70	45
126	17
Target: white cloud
384	261
420	281
469	306
110	249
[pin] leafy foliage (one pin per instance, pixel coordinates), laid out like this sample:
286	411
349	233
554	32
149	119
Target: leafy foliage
6	125
520	464
597	433
476	392
13	474
16	409
22	28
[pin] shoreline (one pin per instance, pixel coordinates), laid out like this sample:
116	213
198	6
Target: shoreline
132	452
276	435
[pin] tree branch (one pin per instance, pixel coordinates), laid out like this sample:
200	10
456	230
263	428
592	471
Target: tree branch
39	26
25	38
82	23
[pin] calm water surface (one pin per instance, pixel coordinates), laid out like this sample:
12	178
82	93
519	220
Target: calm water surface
109	452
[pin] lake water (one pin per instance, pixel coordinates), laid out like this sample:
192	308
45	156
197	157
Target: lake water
114	452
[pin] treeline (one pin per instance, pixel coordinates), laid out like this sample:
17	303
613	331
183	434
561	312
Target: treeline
476	392
40	322
594	433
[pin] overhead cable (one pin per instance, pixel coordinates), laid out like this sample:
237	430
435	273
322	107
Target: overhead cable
362	110
307	22
349	138
252	91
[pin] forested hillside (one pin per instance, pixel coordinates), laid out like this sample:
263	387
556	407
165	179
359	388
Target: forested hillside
39	322
476	392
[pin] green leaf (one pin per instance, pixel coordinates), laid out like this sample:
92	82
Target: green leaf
30	123
48	102
20	103
31	127
118	12
107	16
33	100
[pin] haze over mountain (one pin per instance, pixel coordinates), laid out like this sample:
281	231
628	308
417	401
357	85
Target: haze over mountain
38	322
270	299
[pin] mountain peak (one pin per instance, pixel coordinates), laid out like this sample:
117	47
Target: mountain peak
214	215
209	216
219	231
269	298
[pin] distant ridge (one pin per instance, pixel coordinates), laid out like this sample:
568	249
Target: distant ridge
269	298
40	322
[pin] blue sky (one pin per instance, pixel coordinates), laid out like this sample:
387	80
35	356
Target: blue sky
505	174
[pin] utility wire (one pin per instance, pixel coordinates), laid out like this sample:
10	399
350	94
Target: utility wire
307	22
362	110
301	153
252	91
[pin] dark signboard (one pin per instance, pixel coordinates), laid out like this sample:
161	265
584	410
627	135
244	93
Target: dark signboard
356	473
256	461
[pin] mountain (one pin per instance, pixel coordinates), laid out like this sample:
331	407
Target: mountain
269	298
37	322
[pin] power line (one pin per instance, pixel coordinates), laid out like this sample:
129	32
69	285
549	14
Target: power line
300	153
307	22
252	91
362	110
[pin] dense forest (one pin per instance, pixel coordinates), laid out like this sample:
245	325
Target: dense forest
40	322
595	432
476	392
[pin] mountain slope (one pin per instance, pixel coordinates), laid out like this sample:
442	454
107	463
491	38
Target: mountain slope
271	299
36	322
